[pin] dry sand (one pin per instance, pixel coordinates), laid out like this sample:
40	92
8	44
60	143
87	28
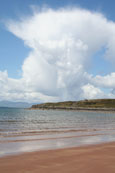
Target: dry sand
91	159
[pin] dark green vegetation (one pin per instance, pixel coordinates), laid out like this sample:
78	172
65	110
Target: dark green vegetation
95	104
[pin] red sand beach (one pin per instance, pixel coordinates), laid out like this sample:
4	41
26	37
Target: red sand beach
90	159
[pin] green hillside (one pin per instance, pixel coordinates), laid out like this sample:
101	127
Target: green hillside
95	103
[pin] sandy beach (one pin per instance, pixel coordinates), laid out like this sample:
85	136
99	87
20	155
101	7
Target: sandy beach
89	159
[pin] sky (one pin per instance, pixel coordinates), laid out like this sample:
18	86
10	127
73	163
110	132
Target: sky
57	50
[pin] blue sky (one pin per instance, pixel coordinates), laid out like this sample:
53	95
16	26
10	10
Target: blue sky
13	50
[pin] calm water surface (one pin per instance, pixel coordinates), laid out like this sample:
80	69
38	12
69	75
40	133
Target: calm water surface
24	130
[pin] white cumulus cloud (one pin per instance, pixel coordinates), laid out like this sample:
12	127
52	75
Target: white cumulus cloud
62	44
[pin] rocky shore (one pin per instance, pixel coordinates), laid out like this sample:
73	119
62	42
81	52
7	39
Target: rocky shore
84	105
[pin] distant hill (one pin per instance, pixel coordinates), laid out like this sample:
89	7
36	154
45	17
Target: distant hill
95	104
15	104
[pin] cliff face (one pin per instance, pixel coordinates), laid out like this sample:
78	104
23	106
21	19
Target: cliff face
83	104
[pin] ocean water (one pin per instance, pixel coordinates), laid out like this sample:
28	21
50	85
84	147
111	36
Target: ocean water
23	130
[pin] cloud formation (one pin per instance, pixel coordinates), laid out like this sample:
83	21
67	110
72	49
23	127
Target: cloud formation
62	44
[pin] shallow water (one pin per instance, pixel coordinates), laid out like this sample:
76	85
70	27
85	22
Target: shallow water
24	130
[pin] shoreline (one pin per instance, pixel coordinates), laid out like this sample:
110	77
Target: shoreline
23	144
105	110
85	159
81	105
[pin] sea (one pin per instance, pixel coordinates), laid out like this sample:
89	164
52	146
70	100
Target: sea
23	130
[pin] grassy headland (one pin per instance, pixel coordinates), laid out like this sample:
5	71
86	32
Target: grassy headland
95	104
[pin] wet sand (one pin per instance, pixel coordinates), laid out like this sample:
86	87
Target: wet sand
90	159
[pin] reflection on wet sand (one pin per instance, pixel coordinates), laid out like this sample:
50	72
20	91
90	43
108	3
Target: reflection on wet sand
34	143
